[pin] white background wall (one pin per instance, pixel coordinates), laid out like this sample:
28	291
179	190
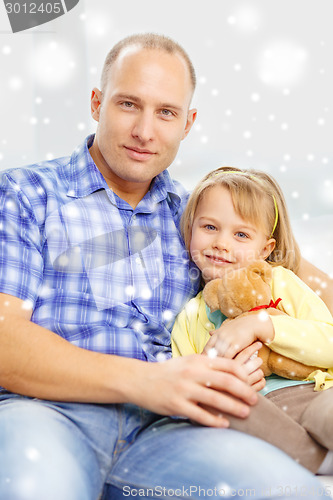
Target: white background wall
265	81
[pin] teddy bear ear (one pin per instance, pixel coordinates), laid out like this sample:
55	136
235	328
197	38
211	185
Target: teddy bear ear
210	294
263	269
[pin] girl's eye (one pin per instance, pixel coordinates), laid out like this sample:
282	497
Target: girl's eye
210	227
241	235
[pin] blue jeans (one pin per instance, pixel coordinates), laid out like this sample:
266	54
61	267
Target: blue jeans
73	451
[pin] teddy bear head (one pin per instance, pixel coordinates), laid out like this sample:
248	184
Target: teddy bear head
240	290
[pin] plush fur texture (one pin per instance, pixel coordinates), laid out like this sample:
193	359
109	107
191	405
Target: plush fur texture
241	290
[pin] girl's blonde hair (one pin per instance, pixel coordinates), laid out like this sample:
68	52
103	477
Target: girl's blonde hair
257	198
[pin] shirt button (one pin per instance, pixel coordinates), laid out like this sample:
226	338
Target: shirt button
138	260
134	217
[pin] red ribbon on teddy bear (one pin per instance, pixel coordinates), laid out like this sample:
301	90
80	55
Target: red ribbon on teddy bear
266	306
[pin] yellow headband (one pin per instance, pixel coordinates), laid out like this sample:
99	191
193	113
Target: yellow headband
246	174
276	215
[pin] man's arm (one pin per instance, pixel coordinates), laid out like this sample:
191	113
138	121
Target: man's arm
38	363
318	281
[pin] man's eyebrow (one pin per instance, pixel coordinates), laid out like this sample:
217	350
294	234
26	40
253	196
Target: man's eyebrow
128	97
169	105
135	98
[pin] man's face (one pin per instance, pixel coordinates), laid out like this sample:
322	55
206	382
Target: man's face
142	117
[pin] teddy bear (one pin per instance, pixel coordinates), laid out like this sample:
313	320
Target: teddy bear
246	291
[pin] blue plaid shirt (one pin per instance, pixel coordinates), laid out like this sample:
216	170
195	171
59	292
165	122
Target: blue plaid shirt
97	272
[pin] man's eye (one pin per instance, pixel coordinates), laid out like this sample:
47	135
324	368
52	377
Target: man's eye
127	104
166	112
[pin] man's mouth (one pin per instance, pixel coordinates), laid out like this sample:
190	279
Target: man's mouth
138	154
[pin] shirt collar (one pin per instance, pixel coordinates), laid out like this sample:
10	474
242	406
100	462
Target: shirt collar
85	178
163	188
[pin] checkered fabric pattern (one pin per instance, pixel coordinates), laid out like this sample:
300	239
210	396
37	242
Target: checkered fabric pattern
96	272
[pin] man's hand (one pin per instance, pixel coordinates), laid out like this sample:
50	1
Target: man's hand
189	386
318	281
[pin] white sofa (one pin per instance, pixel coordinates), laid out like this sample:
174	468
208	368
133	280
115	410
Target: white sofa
315	238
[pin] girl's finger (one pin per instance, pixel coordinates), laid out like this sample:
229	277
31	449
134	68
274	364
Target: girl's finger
248	352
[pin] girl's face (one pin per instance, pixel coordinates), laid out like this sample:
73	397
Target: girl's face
221	240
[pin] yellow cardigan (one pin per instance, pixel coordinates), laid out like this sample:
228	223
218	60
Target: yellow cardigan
305	335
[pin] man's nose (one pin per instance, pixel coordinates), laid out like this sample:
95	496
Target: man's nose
144	127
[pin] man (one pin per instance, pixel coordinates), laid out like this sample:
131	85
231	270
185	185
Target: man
93	272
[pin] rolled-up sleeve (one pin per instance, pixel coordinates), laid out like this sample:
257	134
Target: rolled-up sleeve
21	262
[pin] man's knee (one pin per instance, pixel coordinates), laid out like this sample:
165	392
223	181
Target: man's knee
42	455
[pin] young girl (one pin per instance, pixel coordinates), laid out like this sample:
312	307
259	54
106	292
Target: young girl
234	217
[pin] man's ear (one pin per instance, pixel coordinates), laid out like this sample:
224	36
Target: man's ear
191	116
95	103
268	248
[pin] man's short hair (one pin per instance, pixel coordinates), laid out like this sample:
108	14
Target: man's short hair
146	41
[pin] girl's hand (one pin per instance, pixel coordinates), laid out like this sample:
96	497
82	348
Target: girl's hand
235	335
248	357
